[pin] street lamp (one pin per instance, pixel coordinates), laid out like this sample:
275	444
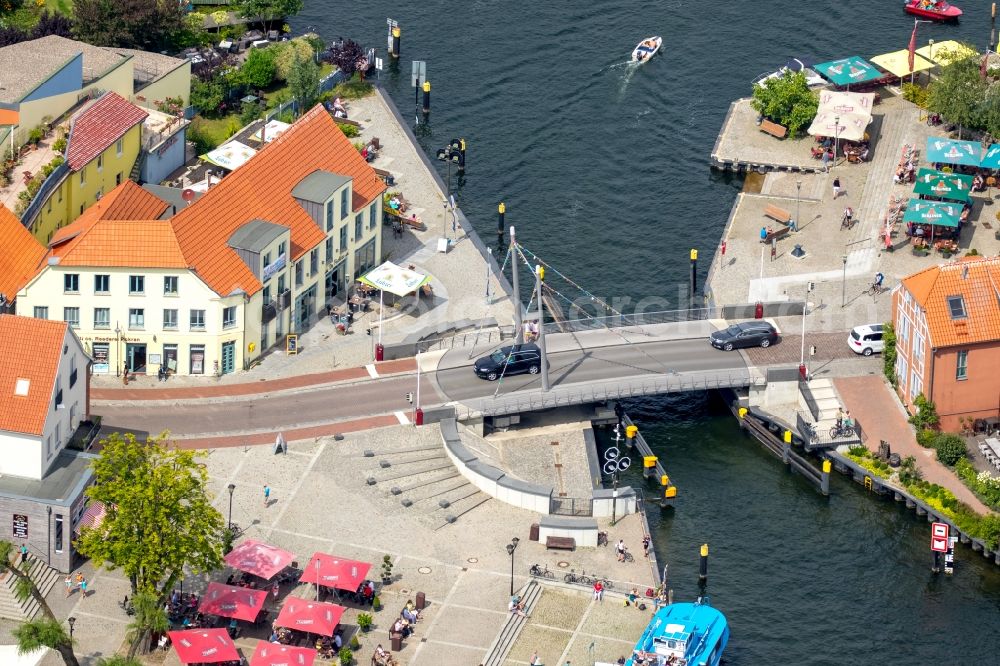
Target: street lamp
802	355
798	199
453	153
72	621
231	488
836	139
843	284
118	348
511	547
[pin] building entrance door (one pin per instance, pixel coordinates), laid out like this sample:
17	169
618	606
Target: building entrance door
228	357
135	357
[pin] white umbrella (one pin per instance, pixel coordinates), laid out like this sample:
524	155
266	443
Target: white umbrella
854	111
394	279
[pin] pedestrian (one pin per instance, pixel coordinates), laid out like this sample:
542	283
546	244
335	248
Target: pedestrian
620	550
24	553
83	588
598	591
69	585
836	187
774	249
826	161
645	546
534	659
267	495
763	234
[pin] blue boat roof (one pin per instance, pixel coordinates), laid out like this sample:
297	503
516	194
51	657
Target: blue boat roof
688	630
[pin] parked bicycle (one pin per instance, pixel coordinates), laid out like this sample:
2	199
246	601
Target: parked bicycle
627	556
539	572
582	578
842	431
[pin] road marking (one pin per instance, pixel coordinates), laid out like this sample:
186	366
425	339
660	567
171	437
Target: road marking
372	372
401	417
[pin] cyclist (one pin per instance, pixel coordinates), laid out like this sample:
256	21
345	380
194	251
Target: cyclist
879	279
848	422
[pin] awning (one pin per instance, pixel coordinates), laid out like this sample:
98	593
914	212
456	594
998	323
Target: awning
259	559
272	654
314	617
951	151
230	156
991	160
938	213
92	516
847	71
203	646
394	279
241	603
851	112
898	63
336	572
272	130
953	186
946	51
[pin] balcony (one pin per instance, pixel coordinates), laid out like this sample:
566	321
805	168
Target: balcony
268	312
284	299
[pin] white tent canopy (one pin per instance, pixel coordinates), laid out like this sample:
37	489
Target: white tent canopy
850	110
230	156
272	130
394	279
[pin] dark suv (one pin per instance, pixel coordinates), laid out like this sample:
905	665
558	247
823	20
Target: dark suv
510	361
745	334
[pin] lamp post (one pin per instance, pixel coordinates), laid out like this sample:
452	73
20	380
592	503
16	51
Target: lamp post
231	488
71	620
511	547
48	554
836	139
802	354
930	53
118	348
843	284
798	200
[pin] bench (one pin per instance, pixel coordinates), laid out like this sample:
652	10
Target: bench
386	176
774	129
560	543
777	214
775	234
346	121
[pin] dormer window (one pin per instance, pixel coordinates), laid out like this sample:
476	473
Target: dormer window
956	307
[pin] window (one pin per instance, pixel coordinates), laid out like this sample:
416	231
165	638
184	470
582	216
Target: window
343	239
329	215
41	312
49	206
118	178
962	365
281	283
136	284
918	346
100	163
60	195
83	176
72	316
136	318
916	384
372	212
281	248
267	294
343	203
329	250
956	307
229	317
59	534
197	320
71	283
72	383
357	228
298	273
102	284
170	285
314	261
267	259
170	320
120	146
59	401
102	318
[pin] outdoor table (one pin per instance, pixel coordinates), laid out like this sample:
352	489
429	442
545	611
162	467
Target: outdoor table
993	444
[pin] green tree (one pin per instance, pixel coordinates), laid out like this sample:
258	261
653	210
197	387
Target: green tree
118	660
889	352
160	519
950	448
266	12
959	91
207	96
926	416
786	100
303	82
149	617
45	631
150	25
258	69
286	53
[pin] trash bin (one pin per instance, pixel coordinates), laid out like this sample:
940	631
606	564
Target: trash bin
533	532
396	641
421	601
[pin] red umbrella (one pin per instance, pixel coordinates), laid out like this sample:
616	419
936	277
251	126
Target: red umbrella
203	646
272	654
330	571
230	601
259	559
314	617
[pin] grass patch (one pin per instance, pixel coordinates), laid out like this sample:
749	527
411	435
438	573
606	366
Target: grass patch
210	133
353	89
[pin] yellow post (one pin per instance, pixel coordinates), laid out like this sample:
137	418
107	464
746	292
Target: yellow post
648	466
788	437
670	492
703	563
694	255
631	431
502	208
742	412
664	480
827	466
427	86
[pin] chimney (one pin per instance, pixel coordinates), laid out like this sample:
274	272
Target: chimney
263	133
208	180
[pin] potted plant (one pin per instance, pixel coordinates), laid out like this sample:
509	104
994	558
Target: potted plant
376	604
355	643
386	569
364	622
346	656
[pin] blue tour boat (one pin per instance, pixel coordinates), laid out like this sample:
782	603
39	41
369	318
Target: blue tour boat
683	634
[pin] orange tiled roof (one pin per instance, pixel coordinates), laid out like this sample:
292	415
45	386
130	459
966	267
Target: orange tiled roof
98	126
20	254
977	281
30	350
262	189
132	202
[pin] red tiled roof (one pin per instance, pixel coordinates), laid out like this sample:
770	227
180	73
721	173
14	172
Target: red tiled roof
98	126
262	189
977	281
30	350
20	254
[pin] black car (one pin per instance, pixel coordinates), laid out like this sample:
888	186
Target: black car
511	360
745	334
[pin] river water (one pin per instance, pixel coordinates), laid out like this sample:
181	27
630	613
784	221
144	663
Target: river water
604	170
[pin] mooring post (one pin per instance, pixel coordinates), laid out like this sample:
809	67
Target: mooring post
427	97
786	447
630	433
825	481
396	38
501	209
703	563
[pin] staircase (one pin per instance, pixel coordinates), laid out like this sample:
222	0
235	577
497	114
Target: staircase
827	401
136	172
45	579
511	629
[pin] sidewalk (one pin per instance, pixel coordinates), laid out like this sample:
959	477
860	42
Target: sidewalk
873	403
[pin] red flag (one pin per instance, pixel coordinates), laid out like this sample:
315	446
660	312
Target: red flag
913	47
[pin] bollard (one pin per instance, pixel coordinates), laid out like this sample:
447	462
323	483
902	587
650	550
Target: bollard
664	480
694	273
786	445
427	97
703	563
395	42
648	466
825	482
743	412
501	209
379	352
461	154
670	597
758	310
630	433
418	417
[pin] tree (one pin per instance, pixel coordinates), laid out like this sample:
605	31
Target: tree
45	631
286	53
926	416
959	91
786	100
149	617
266	11
303	82
889	352
950	448
207	96
150	25
346	56
52	23
160	518
258	70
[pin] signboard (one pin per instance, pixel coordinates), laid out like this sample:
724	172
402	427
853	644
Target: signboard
291	344
20	526
939	530
939	545
418	73
99	351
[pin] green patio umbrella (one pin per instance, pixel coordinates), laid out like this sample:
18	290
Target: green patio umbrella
937	213
846	71
952	186
950	151
991	160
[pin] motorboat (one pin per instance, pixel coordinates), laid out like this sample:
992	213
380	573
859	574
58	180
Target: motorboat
813	79
935	10
683	634
646	49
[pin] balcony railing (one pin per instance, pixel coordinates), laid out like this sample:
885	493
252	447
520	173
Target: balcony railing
268	312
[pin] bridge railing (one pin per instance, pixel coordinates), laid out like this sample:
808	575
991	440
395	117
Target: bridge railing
633	320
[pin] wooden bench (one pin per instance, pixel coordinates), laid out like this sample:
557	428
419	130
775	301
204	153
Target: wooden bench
560	543
775	234
386	176
774	129
346	121
777	214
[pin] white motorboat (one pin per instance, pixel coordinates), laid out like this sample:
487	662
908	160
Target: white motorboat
646	49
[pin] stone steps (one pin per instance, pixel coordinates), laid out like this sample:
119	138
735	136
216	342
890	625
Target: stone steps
504	641
45	579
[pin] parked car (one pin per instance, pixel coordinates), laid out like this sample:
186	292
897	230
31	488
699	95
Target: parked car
745	334
866	339
512	360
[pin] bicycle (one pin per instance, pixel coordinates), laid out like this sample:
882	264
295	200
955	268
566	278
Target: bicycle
842	430
539	572
874	289
627	557
607	583
582	579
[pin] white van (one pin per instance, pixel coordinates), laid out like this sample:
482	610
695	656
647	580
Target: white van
866	339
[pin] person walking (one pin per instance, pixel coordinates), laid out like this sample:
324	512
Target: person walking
83	588
267	495
24	553
836	187
620	550
69	585
645	546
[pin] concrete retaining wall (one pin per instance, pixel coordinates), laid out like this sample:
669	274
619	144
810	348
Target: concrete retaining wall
583	530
